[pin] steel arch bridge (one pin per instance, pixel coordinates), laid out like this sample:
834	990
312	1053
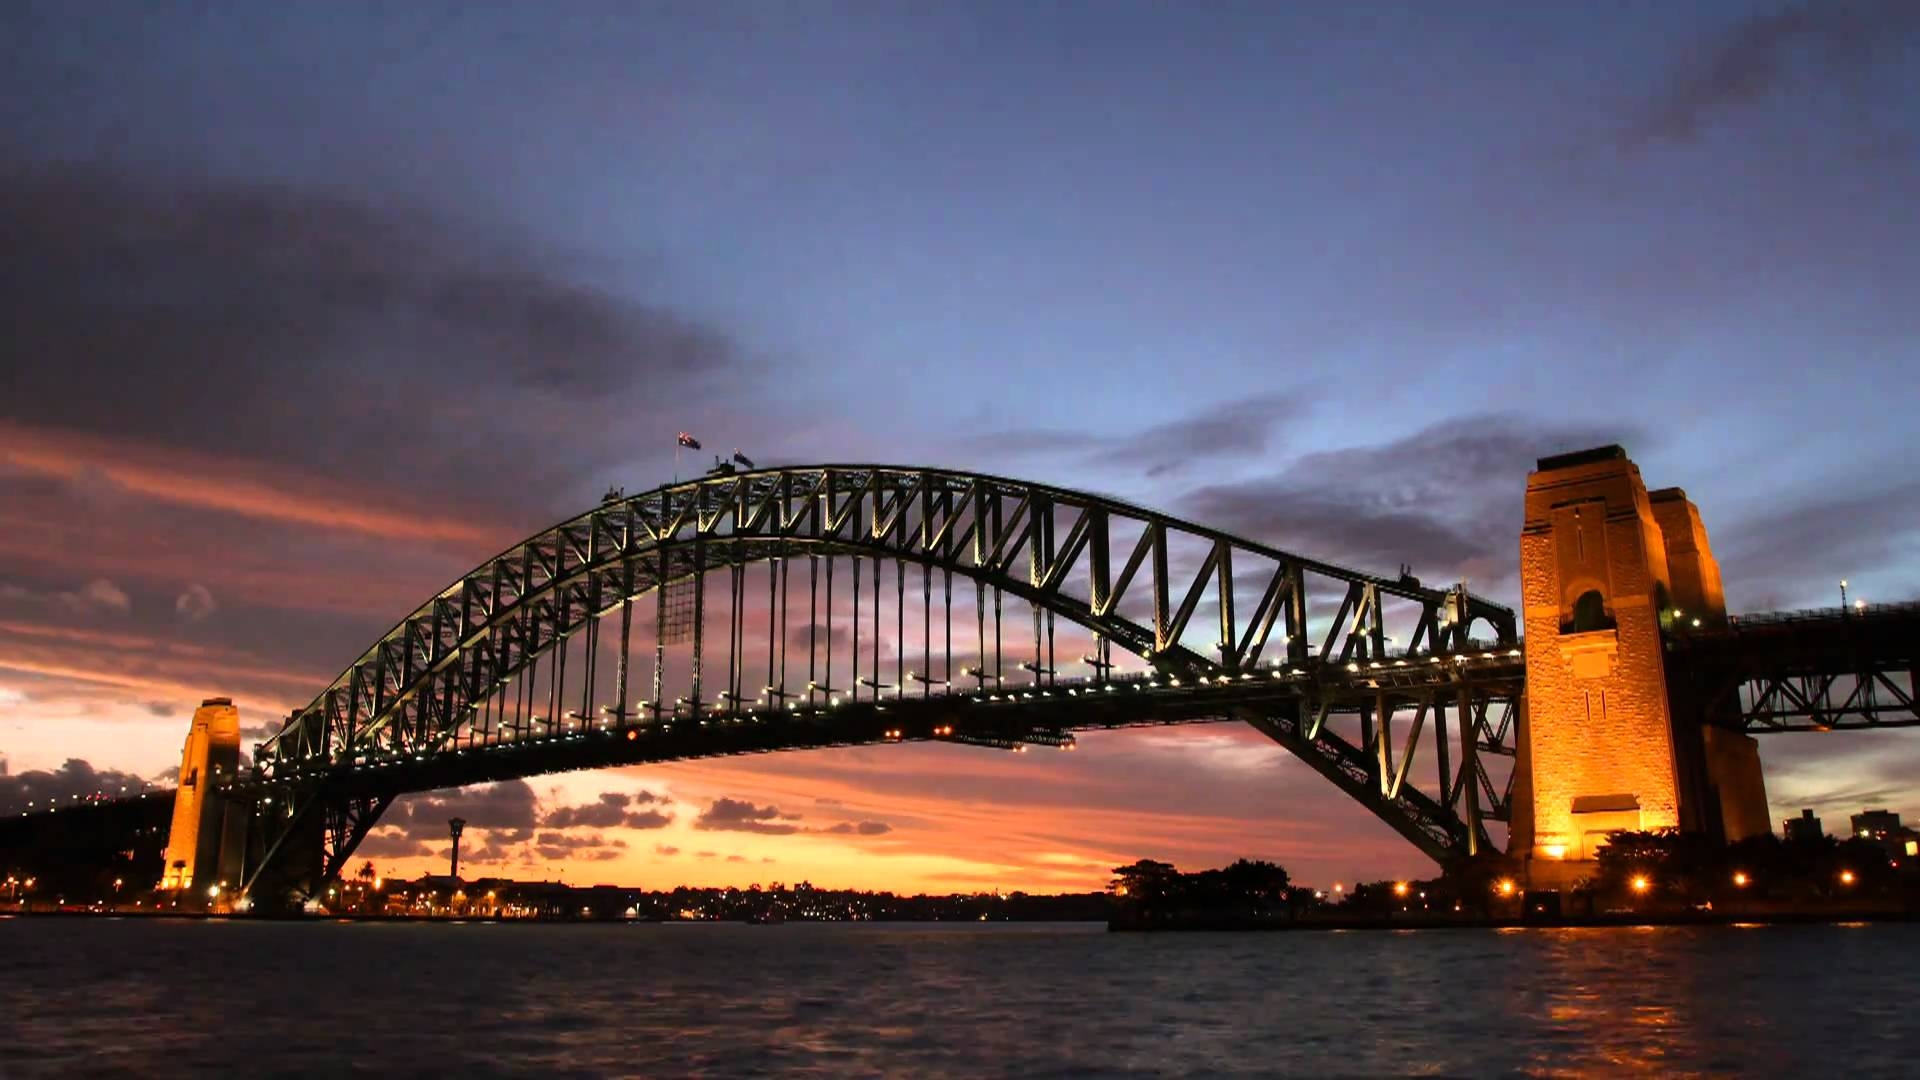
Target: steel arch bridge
524	665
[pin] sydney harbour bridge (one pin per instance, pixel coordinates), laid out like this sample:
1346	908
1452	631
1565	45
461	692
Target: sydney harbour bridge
843	605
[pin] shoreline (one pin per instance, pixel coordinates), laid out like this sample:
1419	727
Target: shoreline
1614	919
1323	925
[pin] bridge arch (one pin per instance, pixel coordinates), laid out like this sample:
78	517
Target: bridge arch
1131	577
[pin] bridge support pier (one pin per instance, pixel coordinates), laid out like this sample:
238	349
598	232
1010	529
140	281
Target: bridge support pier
1607	568
208	829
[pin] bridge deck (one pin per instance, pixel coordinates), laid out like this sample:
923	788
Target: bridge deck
1820	670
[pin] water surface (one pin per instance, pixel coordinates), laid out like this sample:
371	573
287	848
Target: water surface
175	998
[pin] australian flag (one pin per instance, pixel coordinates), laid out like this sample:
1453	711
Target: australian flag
689	441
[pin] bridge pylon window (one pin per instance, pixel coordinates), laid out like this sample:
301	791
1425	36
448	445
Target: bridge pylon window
1589	614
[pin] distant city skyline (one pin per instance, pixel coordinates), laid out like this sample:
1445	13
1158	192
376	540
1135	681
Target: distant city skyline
314	306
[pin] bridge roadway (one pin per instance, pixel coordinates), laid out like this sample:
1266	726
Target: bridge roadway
1831	669
1292	705
1010	718
1798	671
1823	670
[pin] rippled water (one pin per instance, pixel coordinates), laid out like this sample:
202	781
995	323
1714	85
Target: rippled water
176	998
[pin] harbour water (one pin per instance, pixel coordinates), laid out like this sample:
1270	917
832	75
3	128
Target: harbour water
175	998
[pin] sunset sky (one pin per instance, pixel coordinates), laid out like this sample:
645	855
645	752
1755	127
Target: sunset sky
309	307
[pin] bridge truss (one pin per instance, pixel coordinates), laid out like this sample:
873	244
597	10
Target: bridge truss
1825	670
843	605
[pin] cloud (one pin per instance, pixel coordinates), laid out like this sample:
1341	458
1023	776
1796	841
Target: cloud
1791	553
98	596
1446	499
740	815
509	808
737	815
736	858
554	847
611	811
1755	59
195	604
351	319
840	637
666	849
1244	426
861	828
391	844
59	787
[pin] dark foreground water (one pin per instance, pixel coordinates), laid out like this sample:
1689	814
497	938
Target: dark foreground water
127	997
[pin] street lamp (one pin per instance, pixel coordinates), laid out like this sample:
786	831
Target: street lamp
1843	596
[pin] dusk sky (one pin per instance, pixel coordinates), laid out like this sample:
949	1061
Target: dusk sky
311	307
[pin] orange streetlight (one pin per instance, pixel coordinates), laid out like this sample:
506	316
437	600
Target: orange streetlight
1641	884
1399	888
1506	887
1740	879
1846	877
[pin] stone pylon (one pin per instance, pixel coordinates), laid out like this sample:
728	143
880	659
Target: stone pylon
1606	570
206	842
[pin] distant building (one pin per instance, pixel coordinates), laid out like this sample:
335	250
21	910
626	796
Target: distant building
1804	827
1875	824
1883	827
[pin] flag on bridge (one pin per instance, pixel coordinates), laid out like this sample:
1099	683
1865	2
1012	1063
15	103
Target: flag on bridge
742	458
689	441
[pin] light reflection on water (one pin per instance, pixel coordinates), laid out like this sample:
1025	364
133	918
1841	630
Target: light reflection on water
176	998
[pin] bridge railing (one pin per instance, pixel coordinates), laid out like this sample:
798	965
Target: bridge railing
1906	609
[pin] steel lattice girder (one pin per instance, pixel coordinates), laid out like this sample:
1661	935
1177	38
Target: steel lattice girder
412	692
1802	671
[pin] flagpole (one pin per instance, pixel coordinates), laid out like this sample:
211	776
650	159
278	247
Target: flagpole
676	460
